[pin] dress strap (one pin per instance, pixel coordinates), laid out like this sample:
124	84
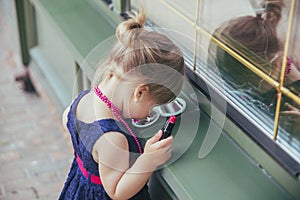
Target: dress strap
76	101
93	178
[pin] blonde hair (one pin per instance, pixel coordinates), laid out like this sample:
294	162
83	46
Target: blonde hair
153	55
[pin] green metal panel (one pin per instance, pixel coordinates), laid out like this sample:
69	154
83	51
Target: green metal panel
259	155
26	28
226	173
67	32
82	25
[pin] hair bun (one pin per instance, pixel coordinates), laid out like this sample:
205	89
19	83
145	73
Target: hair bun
127	29
273	10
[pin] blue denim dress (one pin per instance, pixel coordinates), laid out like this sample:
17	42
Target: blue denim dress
80	182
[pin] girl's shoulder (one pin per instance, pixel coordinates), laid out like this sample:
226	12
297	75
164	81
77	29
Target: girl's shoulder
83	109
112	139
70	111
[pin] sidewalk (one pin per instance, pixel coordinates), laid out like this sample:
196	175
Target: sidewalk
34	154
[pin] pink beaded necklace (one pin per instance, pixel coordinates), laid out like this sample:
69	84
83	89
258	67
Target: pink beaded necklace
117	113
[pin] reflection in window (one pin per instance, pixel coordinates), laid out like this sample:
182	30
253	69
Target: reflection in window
256	32
289	126
255	38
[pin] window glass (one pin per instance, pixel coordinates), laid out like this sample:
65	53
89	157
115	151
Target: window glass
293	78
253	76
212	13
186	8
240	51
289	128
162	14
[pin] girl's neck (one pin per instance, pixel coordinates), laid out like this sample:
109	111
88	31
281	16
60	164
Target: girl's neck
116	112
119	91
113	87
110	90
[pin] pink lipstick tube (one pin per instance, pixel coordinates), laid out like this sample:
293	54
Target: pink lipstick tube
168	127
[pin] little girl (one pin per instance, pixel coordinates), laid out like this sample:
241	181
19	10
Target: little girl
144	69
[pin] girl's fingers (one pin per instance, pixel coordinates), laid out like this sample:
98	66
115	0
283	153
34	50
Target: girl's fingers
163	143
291	113
155	138
291	110
290	107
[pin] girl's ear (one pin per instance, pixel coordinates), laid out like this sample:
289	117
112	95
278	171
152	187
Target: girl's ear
140	92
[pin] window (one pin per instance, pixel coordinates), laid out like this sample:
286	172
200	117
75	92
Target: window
251	48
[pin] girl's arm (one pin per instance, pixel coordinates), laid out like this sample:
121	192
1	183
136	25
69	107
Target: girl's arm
121	181
292	117
65	118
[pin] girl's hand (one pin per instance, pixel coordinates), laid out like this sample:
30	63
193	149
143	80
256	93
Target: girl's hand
291	117
158	152
294	74
112	153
